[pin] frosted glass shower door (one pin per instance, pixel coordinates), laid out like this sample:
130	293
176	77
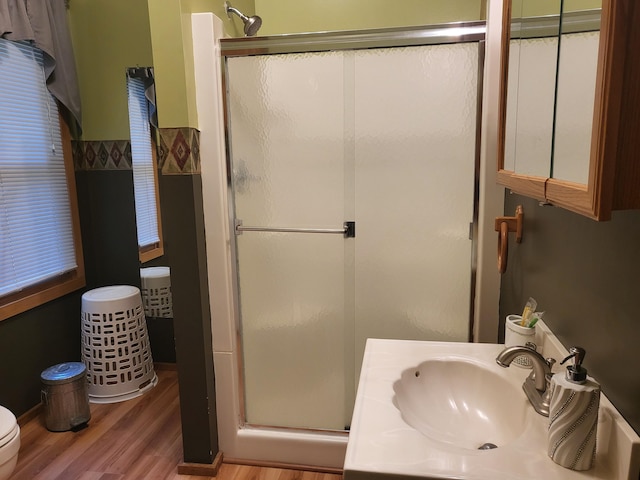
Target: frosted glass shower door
415	140
385	138
287	150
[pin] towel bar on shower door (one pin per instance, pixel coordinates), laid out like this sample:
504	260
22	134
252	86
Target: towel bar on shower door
348	229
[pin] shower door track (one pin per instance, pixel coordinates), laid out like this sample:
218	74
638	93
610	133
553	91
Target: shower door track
455	32
285	444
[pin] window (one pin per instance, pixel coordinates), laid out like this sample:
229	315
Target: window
145	178
40	248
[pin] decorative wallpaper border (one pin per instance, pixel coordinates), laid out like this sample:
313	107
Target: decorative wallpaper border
178	152
102	155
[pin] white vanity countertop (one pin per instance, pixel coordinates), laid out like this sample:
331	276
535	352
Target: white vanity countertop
382	446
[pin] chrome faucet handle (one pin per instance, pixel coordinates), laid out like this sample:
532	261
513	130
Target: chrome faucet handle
536	385
551	362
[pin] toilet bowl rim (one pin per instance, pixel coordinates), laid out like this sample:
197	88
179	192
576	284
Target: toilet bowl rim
8	426
10	436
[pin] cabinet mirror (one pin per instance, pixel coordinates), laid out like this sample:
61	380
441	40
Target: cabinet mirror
550	53
532	48
575	90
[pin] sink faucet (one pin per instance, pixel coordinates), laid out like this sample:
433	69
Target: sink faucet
536	385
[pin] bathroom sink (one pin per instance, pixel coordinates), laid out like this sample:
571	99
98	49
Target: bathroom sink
453	400
435	410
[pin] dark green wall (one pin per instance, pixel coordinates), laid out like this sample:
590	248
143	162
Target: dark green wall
33	341
50	334
586	276
108	224
109	235
183	224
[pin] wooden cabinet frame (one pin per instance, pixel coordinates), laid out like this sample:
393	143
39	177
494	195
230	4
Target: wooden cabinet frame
614	169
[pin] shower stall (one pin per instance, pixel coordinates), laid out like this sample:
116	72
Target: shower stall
343	207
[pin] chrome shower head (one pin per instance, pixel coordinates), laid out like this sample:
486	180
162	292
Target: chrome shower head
251	24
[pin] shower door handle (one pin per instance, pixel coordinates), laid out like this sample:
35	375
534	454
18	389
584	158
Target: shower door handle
348	229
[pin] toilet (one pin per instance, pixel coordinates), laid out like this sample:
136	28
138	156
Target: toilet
9	443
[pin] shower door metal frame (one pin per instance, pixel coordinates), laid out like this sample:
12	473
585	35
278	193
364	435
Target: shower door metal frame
440	34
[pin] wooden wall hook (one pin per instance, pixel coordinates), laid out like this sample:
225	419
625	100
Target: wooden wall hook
504	225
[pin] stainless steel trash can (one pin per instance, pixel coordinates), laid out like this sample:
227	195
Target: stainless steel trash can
65	396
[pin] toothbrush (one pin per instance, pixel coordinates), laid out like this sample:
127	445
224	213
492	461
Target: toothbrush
529	308
536	316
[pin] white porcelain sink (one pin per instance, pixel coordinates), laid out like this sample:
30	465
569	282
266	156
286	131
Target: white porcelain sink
453	400
423	409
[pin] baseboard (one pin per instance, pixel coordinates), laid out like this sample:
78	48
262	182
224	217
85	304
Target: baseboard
285	466
165	366
201	469
30	414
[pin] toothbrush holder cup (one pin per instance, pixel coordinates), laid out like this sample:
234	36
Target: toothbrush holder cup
515	334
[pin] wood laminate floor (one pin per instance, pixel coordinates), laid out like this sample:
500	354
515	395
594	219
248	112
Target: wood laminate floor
139	439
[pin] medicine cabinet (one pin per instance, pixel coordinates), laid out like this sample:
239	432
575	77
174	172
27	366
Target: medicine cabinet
570	103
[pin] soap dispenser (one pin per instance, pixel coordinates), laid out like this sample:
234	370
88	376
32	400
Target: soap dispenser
573	414
576	373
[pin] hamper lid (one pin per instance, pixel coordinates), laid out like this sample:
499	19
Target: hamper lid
110	293
155	272
63	373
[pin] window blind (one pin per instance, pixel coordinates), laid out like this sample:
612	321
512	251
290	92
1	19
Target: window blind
36	236
143	175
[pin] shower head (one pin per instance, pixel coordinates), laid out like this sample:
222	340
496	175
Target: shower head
251	24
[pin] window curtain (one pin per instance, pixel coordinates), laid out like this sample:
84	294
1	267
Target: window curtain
146	75
44	23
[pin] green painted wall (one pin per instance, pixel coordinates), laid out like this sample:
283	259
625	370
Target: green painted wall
233	26
173	54
108	36
573	5
168	63
536	8
111	35
173	49
295	16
